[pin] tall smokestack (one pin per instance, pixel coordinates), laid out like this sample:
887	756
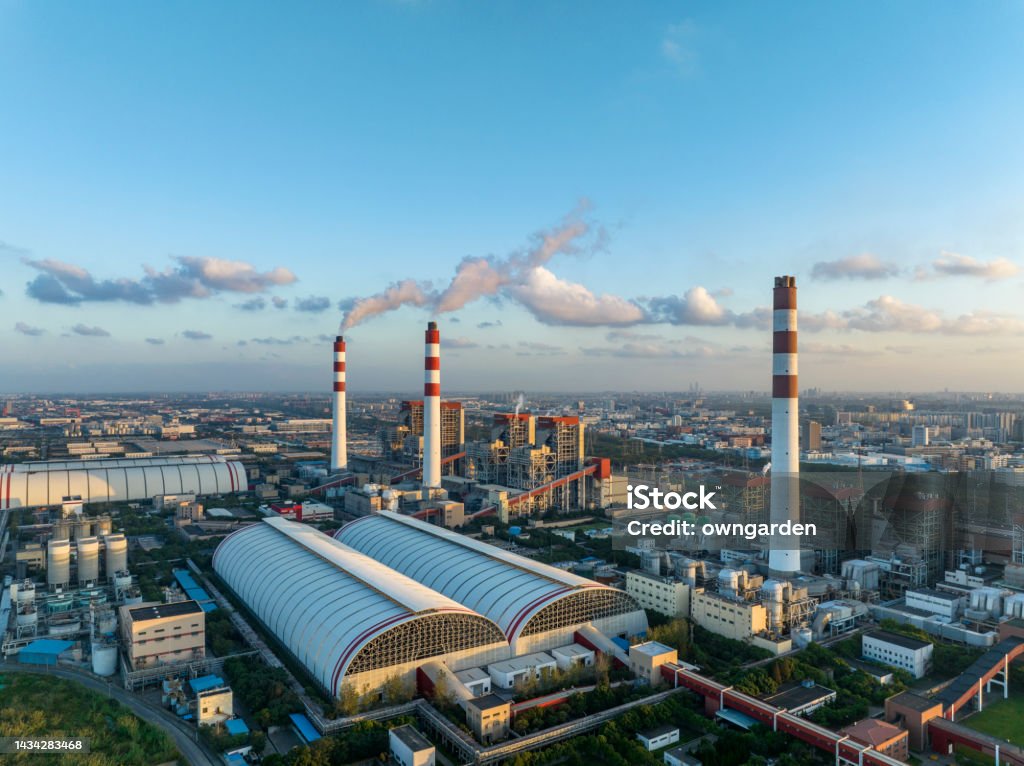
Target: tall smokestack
339	444
432	408
784	552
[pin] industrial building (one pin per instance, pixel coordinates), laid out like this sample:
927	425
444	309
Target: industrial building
541	457
537	606
352	611
38	484
669	596
404	441
898	651
346	617
156	634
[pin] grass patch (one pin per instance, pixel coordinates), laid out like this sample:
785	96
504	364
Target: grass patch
47	707
1001	719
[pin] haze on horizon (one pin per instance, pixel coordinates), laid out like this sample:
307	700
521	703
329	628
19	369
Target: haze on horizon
586	198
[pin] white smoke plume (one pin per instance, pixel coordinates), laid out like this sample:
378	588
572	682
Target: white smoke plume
519	276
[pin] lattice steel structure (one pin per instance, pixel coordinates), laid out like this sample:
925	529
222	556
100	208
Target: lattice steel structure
429	636
580	608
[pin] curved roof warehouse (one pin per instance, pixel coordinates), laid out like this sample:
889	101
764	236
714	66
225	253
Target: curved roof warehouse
344	616
537	606
34	484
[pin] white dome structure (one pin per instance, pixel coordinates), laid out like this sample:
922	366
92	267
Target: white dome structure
344	616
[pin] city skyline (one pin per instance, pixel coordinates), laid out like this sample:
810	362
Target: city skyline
597	203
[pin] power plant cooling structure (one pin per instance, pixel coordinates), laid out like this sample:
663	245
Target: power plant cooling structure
339	447
432	408
784	552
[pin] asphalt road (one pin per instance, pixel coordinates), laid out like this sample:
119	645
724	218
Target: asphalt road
182	734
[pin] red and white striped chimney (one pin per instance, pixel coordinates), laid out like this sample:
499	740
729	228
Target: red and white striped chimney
432	408
784	552
339	444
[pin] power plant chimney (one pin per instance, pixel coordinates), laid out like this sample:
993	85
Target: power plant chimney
784	551
339	445
432	408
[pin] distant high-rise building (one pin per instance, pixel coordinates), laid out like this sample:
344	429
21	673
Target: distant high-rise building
811	437
920	436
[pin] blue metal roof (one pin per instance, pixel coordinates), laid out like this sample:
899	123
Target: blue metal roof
194	590
236	726
203	683
48	646
304	727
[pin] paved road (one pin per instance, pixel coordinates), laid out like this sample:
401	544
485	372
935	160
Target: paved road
182	734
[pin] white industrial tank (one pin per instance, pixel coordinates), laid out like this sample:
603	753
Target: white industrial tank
104	658
58	563
88	560
116	554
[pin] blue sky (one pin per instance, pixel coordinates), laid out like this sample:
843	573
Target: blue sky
162	165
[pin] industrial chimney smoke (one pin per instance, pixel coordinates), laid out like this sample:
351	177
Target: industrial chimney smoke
784	551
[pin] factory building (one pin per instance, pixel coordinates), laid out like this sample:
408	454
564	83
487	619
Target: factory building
898	651
534	455
404	440
666	595
728	617
348	618
537	606
37	484
154	634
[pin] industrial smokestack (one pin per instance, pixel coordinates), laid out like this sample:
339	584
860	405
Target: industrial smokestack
339	444
432	408
784	552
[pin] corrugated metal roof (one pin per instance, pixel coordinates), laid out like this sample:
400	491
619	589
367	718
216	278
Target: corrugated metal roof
48	646
500	585
322	599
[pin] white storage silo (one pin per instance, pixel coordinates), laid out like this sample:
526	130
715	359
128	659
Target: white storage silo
116	558
104	658
58	563
88	560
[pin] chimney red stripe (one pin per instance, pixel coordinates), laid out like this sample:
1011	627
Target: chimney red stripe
433	336
784	298
431	389
784	342
339	385
432	363
339	367
784	387
339	346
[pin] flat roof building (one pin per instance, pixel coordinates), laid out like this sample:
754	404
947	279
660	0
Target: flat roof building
801	697
409	747
155	634
898	651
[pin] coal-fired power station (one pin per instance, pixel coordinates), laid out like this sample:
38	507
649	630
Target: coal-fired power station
432	408
339	447
784	553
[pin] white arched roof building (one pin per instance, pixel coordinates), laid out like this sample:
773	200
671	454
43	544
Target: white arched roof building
344	616
34	484
536	605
